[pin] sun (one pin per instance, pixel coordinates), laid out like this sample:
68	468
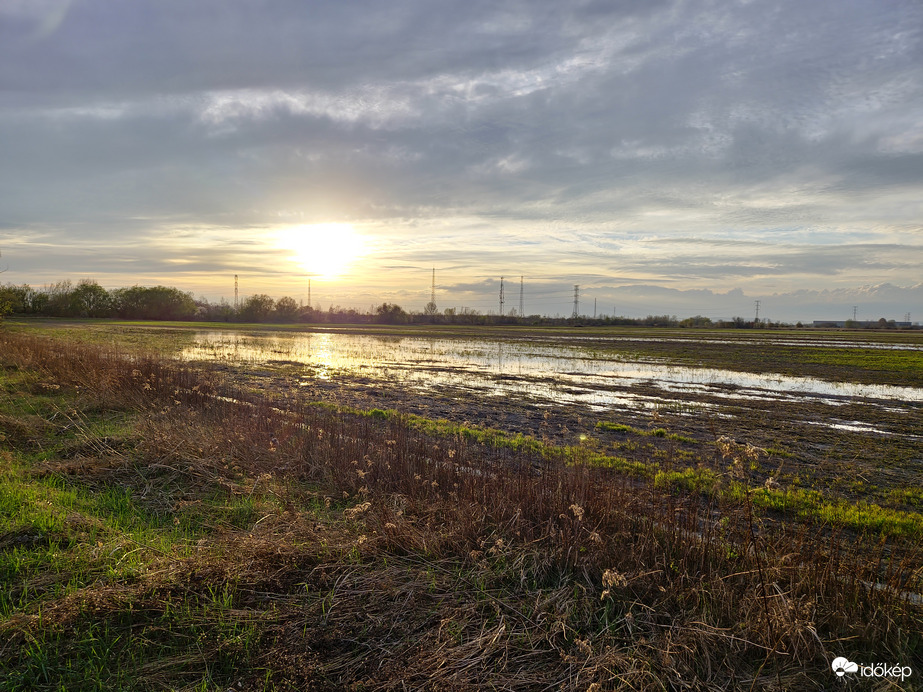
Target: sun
324	249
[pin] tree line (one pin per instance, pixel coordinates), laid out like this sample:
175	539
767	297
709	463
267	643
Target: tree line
88	299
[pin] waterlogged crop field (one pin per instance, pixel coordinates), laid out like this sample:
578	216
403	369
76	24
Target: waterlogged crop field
836	413
455	508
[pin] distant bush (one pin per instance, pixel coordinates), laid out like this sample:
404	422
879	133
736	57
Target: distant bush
287	309
153	303
257	308
390	314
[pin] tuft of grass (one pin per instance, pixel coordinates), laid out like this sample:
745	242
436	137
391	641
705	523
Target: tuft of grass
616	427
607	426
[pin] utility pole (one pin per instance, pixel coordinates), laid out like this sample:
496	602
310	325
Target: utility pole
757	320
309	292
521	311
594	308
235	291
501	296
576	301
855	309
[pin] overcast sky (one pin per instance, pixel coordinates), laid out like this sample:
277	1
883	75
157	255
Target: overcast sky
667	157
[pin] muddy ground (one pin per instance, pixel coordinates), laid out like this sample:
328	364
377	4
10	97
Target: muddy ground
802	448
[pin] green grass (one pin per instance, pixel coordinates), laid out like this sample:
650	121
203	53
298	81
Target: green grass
905	362
617	427
73	525
862	517
607	426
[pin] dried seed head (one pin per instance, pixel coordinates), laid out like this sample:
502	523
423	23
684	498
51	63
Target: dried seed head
753	452
358	510
584	646
611	578
737	469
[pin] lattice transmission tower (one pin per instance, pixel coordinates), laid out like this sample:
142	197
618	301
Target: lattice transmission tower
521	311
501	296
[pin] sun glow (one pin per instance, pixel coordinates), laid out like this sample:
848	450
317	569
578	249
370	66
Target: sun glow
323	250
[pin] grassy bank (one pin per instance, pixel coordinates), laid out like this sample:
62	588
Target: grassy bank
163	529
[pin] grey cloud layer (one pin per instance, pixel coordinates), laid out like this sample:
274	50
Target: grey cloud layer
612	121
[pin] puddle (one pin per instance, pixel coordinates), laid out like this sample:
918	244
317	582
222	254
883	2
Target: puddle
859	427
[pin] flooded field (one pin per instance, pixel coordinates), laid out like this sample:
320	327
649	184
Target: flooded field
840	413
641	399
563	373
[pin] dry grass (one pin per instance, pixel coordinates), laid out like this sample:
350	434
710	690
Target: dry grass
379	557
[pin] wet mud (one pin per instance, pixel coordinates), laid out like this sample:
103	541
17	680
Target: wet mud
860	449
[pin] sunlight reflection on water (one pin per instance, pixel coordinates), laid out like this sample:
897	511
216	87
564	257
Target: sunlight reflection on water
545	374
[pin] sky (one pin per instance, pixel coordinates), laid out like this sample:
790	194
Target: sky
687	157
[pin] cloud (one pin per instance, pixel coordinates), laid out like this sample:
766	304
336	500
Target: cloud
776	146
